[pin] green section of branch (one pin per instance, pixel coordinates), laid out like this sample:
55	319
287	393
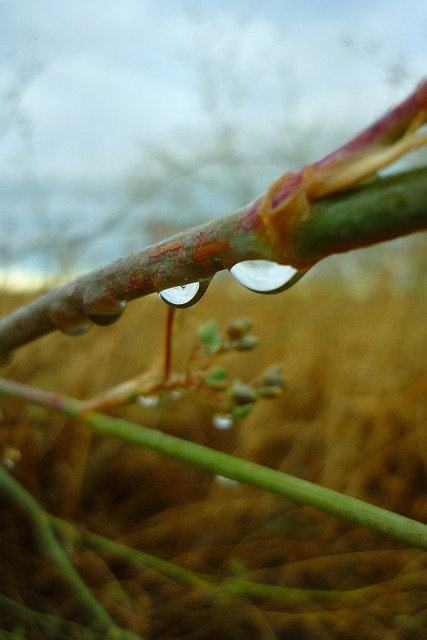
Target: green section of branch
351	509
403	529
383	209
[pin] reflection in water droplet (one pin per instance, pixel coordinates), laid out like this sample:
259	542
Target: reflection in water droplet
222	421
185	295
76	330
148	401
264	276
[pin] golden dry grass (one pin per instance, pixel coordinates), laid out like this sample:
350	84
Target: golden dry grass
353	417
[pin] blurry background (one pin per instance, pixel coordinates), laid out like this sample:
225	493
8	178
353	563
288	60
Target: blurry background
121	123
124	122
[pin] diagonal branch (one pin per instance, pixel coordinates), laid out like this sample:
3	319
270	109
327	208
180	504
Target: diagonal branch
356	511
306	215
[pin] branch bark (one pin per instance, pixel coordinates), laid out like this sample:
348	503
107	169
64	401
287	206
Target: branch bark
326	207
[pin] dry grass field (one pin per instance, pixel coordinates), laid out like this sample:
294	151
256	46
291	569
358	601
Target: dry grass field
353	418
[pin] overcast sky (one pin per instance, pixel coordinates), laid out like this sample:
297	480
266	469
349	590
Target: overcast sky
85	85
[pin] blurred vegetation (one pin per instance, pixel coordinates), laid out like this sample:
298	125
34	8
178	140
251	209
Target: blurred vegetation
352	417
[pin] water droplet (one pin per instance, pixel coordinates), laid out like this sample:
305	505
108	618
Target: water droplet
222	421
8	464
148	401
76	330
175	395
104	312
264	276
227	482
12	456
70	321
185	295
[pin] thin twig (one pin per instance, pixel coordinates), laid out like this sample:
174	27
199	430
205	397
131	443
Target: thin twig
170	317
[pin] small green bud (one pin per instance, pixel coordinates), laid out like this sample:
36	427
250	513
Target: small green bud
242	394
241	410
238	328
208	335
272	377
269	392
216	379
246	343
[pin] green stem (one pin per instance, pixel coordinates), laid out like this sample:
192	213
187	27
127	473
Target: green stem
237	585
19	497
164	567
383	209
393	525
353	510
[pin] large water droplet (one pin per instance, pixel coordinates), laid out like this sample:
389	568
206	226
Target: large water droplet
264	276
184	295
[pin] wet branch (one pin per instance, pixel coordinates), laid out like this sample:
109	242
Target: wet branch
326	207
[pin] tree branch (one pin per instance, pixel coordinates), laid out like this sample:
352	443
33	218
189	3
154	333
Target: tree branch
306	215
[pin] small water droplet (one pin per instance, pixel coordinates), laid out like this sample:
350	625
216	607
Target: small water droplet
175	395
76	330
227	482
264	276
12	456
222	421
148	401
184	295
105	312
70	321
8	464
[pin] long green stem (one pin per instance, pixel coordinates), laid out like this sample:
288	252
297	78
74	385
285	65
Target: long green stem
351	509
393	525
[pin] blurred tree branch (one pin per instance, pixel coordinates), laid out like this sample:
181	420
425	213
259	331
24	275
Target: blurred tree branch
326	207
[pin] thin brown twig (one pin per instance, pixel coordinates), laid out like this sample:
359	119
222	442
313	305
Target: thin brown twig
170	317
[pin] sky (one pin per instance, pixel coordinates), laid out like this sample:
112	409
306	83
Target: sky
89	88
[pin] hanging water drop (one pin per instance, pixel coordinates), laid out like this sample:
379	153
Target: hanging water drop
70	321
222	421
264	276
105	314
76	330
184	295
